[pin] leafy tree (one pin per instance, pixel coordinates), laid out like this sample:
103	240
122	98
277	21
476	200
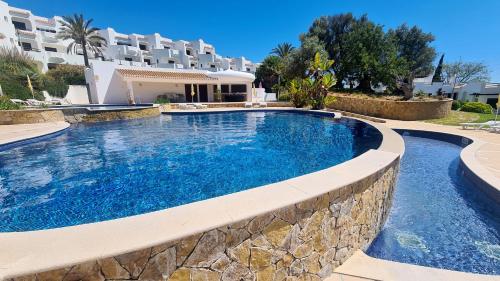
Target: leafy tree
413	48
464	72
268	72
297	64
332	31
283	50
370	56
83	37
438	74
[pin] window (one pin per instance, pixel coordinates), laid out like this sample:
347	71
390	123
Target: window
171	61
127	59
148	61
212	65
26	46
248	69
188	52
50	49
166	47
201	65
119	43
208	53
46	30
142	47
224	89
19	25
192	65
237	88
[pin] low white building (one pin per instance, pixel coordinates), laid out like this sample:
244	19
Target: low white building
484	92
36	35
120	84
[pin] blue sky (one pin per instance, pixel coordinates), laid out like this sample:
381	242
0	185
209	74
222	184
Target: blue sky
464	29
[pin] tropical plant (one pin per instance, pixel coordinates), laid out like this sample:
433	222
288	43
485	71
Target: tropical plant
15	68
283	50
268	72
297	64
83	36
313	89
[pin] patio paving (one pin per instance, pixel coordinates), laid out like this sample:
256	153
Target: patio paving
13	133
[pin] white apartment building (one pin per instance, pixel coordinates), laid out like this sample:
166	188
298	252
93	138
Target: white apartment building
37	36
484	92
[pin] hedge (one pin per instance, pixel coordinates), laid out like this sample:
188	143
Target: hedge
477	107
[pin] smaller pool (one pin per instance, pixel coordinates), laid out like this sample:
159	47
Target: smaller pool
439	218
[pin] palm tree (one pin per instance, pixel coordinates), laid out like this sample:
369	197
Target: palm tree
283	50
83	37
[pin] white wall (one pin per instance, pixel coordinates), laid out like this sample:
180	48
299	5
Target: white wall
147	92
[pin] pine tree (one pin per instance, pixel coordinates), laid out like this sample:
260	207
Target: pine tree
438	77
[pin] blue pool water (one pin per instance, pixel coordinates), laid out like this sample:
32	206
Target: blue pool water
102	171
438	217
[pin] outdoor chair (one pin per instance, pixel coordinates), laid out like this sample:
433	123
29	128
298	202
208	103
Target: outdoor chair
479	125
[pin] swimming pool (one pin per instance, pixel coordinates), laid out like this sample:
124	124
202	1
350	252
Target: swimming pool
101	171
438	217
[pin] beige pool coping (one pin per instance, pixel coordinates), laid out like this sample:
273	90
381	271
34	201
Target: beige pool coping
362	265
14	133
28	252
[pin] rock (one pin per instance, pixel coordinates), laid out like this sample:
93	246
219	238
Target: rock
266	274
259	223
134	262
311	263
185	246
260	241
325	271
260	258
56	275
163	264
303	250
236	236
241	253
181	274
160	248
296	268
221	264
294	240
210	248
288	214
280	274
110	268
276	232
204	275
88	271
328	257
341	254
236	271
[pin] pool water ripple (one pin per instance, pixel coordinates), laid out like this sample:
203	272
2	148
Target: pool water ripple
102	171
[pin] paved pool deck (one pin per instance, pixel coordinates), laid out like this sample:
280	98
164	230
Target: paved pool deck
14	133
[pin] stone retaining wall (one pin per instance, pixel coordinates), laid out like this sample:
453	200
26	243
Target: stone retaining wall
72	115
29	116
398	110
305	241
236	104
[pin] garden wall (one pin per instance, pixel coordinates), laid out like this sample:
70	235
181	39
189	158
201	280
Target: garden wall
29	116
304	241
398	110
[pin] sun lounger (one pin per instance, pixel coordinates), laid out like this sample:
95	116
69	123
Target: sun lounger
18	101
248	104
479	125
337	115
495	128
262	104
200	106
186	106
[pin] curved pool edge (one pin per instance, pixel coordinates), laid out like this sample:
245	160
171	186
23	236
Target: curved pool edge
472	169
25	253
29	133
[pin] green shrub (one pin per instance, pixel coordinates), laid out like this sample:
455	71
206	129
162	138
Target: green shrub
6	104
284	96
68	73
457	104
477	107
55	87
162	100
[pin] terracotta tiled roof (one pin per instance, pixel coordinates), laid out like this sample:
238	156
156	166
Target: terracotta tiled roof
140	73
